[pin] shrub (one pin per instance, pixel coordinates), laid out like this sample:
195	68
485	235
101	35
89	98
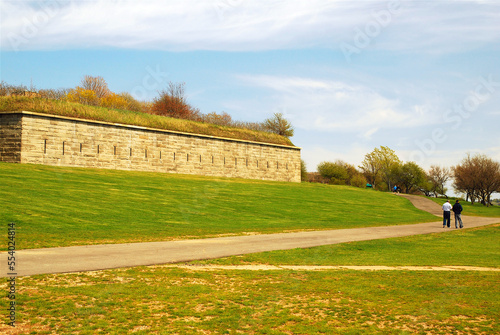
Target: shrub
7	89
222	119
114	100
335	173
279	125
83	96
59	94
133	104
359	180
172	102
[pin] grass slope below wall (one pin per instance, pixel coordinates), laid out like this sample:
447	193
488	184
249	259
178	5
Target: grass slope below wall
55	206
75	110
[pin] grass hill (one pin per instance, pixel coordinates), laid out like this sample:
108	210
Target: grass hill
76	110
58	206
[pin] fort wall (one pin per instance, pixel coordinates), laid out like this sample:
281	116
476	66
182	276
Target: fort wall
27	137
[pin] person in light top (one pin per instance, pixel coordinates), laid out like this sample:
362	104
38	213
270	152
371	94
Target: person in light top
446	214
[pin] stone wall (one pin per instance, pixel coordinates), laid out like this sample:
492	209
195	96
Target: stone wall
27	137
10	137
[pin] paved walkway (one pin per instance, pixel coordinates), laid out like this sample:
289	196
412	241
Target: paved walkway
98	257
424	204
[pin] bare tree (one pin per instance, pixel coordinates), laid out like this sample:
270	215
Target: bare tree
96	84
478	177
438	176
56	94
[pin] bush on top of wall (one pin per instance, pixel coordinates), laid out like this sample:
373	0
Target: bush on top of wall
76	110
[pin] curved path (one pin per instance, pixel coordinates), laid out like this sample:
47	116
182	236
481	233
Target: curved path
424	204
99	257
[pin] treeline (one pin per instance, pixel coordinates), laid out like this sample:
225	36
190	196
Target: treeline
478	177
170	102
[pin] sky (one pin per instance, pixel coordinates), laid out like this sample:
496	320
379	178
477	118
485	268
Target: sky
420	77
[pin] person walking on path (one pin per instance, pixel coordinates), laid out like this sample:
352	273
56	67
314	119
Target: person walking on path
447	214
457	210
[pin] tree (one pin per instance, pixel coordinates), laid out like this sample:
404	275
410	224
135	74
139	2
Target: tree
334	172
381	162
303	170
438	176
172	102
92	91
389	163
426	187
370	167
411	176
96	84
464	180
478	177
279	125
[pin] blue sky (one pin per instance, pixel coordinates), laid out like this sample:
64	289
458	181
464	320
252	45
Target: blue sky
421	77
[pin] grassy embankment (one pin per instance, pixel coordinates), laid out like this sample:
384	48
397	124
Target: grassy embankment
55	206
49	202
75	110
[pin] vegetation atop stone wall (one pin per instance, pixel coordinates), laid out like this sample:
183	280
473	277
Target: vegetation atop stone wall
77	110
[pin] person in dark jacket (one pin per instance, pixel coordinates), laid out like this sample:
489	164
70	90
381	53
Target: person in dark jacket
457	210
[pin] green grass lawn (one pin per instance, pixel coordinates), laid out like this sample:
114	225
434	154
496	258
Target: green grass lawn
156	300
165	300
57	206
61	206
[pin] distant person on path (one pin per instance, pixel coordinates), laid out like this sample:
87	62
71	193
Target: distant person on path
457	210
447	214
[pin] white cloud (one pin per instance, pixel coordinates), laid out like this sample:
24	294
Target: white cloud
232	25
448	156
335	106
353	155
